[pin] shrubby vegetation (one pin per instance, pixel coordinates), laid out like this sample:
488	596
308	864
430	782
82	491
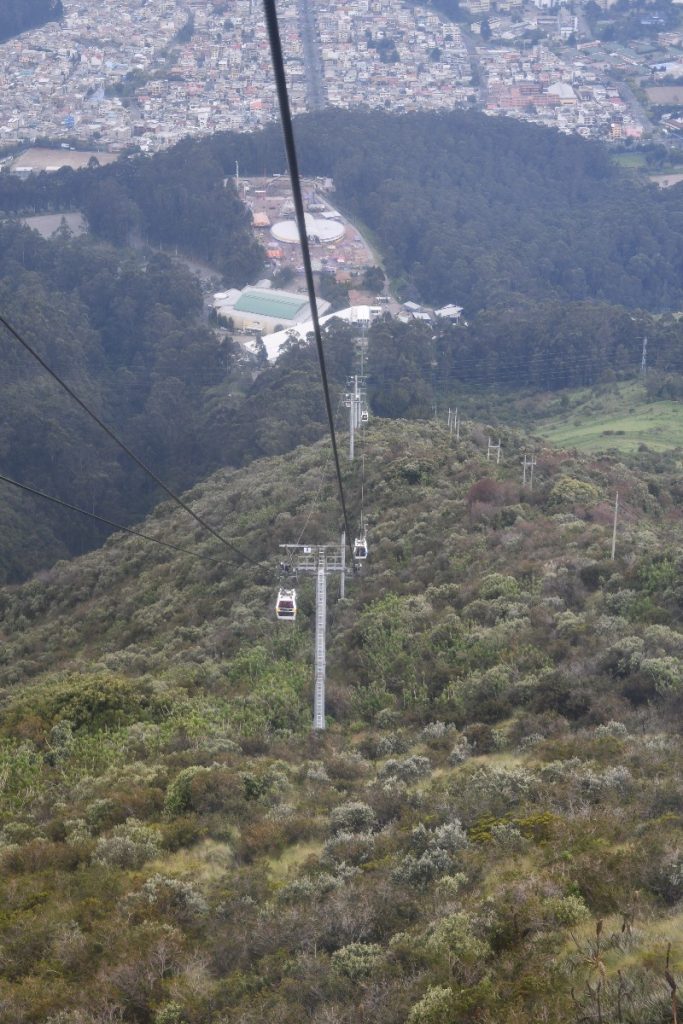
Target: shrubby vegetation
489	828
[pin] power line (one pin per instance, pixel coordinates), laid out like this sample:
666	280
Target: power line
110	433
293	163
512	377
108	522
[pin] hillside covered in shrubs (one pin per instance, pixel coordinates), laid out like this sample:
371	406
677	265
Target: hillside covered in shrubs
490	828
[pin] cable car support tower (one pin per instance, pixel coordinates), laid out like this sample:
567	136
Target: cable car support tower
319	560
356	402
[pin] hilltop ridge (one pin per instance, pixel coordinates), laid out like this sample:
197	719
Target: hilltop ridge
501	767
419	484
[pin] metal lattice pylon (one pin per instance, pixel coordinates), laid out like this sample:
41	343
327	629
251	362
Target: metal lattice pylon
320	559
320	650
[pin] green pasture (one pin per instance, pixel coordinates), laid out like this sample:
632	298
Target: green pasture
633	161
622	419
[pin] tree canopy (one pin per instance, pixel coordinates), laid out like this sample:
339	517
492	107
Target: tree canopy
18	16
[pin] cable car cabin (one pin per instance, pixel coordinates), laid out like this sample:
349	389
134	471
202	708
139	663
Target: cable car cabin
364	417
360	549
285	606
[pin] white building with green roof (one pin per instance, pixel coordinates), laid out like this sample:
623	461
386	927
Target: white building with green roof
265	309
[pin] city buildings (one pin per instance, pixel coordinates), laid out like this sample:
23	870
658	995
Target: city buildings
123	75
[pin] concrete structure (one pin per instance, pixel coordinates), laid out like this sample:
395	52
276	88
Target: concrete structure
323	230
264	309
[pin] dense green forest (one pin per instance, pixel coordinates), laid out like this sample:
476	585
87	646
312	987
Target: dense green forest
178	198
480	210
128	335
464	208
489	830
18	16
536	346
552	250
128	332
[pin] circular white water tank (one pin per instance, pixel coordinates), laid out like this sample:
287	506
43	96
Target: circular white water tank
323	231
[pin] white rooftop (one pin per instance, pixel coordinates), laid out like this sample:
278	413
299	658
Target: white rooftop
325	230
361	315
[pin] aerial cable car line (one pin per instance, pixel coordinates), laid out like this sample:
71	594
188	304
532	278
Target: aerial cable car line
107	522
512	372
510	367
509	372
321	484
295	180
511	379
114	437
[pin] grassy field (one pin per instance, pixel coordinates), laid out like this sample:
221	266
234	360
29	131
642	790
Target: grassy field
621	418
633	161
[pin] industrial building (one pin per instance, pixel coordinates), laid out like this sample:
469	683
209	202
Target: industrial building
264	309
360	316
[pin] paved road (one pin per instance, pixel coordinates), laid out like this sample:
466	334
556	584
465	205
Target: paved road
637	109
471	47
315	80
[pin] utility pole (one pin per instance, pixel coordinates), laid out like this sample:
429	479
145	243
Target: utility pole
614	530
342	577
643	358
319	560
529	463
493	448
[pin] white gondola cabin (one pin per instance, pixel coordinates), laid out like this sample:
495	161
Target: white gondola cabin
364	416
285	606
360	549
